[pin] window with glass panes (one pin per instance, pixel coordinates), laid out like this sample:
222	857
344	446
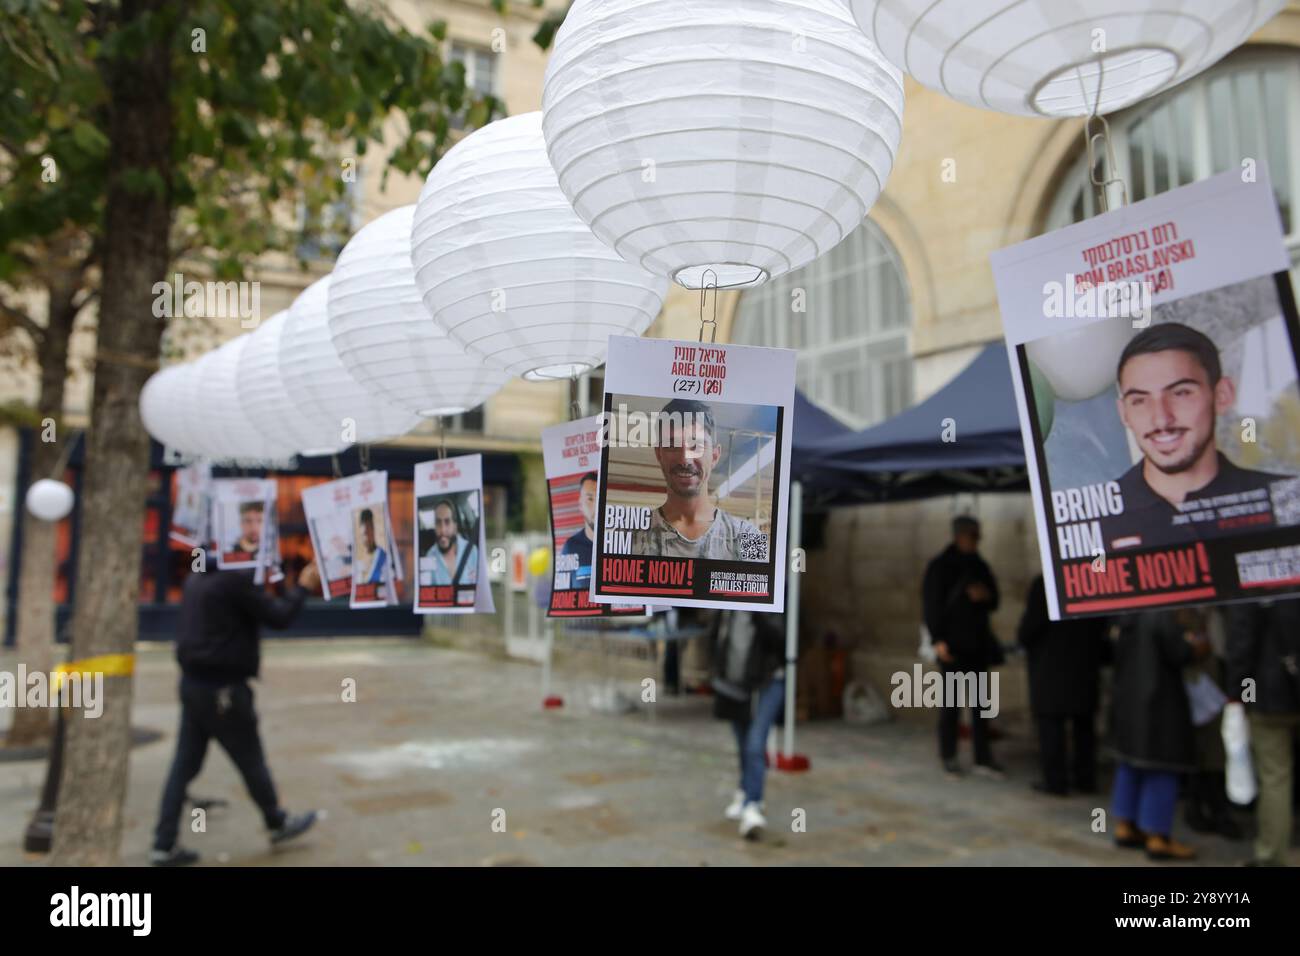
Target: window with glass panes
1246	108
849	316
480	67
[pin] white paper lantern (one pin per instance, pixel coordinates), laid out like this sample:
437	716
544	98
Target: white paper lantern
1048	57
334	408
383	332
746	138
508	269
231	433
169	408
50	500
266	401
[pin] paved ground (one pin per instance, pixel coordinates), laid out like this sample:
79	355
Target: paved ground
439	743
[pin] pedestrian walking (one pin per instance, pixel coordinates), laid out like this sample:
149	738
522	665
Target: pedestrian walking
749	691
218	648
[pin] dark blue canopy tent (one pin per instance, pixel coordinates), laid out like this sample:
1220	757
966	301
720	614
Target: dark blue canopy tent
906	456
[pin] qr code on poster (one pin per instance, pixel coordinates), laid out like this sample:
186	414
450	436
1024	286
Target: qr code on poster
753	546
1286	502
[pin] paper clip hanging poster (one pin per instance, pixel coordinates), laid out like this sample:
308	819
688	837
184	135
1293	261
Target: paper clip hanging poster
373	576
694	475
1153	354
451	541
571	454
191	513
328	510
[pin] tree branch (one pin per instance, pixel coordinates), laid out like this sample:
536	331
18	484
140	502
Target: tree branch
23	321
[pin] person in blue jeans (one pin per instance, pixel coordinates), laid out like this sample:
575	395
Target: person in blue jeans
749	691
1152	727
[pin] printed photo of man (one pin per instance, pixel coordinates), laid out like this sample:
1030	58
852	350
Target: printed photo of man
581	541
451	560
372	563
1172	389
689	524
251	517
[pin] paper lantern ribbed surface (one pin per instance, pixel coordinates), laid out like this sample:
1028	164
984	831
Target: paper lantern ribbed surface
384	335
262	393
508	269
231	432
1048	57
331	403
743	137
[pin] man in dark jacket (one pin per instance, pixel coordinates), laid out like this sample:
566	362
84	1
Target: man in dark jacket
1065	660
218	648
958	594
1264	675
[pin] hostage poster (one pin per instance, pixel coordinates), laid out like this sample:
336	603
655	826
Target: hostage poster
190	514
451	541
374	562
571	454
328	510
244	525
694	475
1153	354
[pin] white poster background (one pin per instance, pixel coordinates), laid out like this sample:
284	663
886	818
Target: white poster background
448	476
190	515
328	510
370	490
1237	235
754	376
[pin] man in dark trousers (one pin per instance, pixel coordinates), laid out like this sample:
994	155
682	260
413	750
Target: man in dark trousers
218	648
1065	661
958	595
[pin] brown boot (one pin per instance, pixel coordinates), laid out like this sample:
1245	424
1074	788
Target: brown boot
1129	836
1167	848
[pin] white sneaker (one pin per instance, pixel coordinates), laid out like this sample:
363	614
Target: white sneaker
736	807
752	821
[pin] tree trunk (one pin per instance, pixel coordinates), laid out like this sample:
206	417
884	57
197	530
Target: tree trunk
88	822
36	569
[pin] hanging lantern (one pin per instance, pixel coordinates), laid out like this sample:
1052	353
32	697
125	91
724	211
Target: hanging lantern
335	409
266	401
231	432
720	142
50	500
1057	57
169	405
508	270
384	336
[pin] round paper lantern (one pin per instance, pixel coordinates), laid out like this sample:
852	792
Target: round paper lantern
508	269
231	433
50	500
720	142
266	401
1049	57
383	333
1081	363
334	408
169	409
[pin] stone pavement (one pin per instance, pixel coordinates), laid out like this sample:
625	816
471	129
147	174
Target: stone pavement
440	743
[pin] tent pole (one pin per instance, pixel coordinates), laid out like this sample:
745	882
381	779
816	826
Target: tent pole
792	616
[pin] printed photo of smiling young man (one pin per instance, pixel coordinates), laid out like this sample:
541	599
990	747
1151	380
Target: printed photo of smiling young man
689	523
1172	390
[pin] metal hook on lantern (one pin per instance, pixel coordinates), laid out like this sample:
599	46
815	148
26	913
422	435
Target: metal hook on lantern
1110	175
442	437
712	320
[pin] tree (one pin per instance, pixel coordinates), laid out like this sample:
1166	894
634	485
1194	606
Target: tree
203	126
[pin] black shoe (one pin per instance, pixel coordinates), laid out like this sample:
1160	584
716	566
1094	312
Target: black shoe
176	856
294	825
991	770
952	767
1051	791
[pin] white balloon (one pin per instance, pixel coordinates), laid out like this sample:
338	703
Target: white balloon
1049	57
720	142
50	500
1081	363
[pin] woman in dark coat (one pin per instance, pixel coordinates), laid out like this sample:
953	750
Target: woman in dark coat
1065	660
1152	725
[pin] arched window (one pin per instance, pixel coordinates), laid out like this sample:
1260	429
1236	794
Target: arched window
1245	109
848	314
